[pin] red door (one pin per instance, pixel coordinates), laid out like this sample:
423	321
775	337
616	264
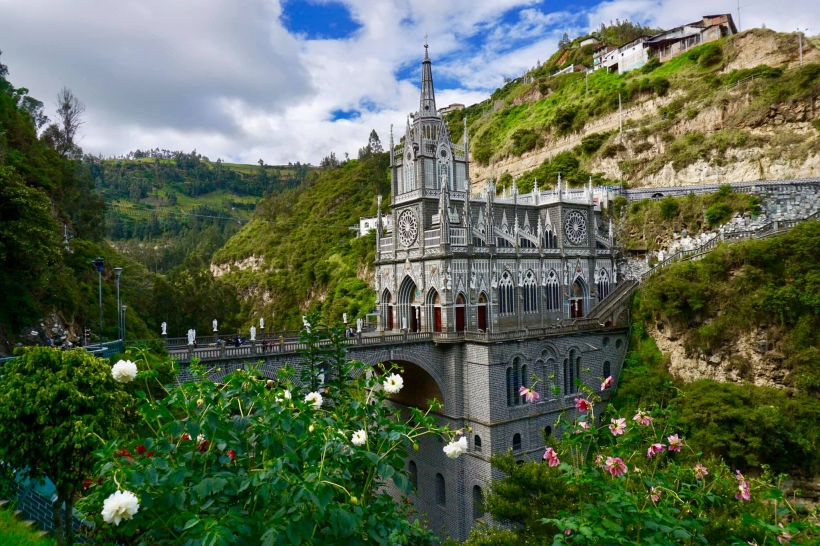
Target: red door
389	317
437	313
460	313
482	312
414	323
576	308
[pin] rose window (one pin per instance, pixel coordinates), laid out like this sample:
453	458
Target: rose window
575	227
408	228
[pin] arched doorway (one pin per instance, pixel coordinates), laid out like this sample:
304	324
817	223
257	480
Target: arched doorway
460	313
433	311
387	310
409	305
578	294
481	311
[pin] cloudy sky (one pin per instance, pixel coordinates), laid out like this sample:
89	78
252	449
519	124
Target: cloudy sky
291	80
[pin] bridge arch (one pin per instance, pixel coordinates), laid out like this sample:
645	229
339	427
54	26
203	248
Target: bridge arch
422	381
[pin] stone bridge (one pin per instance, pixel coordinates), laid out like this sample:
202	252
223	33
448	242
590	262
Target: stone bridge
477	377
637	194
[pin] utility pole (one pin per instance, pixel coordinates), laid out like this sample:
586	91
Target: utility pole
117	273
99	263
620	118
738	15
586	72
800	41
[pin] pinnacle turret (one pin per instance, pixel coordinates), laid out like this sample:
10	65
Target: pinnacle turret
427	101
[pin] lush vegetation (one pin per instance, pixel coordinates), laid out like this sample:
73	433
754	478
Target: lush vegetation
625	479
14	533
56	406
650	224
265	462
312	259
47	191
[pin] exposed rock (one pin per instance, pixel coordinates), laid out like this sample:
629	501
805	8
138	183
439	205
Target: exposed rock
253	262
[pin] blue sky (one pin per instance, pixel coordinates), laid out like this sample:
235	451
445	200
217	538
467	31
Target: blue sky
292	80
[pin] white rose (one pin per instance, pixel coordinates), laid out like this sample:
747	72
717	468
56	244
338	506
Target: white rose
456	448
121	505
314	398
359	438
285	396
124	371
393	383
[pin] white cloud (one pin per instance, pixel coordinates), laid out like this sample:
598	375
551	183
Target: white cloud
230	81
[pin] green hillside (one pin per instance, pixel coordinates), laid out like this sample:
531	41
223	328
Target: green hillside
47	191
311	259
770	286
539	109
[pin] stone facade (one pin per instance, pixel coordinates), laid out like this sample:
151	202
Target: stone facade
456	262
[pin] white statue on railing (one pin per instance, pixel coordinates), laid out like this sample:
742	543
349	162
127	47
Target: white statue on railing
253	333
305	323
191	336
262	323
164	326
214	325
359	324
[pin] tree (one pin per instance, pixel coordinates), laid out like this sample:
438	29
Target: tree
564	41
56	408
374	143
69	118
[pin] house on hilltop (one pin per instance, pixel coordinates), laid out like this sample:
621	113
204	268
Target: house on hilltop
673	42
665	45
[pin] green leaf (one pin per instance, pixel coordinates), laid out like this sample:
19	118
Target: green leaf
190	523
151	475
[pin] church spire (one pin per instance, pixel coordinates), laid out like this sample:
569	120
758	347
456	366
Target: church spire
427	102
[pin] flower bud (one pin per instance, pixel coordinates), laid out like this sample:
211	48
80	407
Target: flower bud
354	501
415	447
311	429
200	402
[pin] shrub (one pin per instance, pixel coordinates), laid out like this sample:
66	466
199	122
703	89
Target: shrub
482	149
612	150
592	143
710	55
718	214
651	65
633	480
660	86
524	140
669	208
250	461
564	117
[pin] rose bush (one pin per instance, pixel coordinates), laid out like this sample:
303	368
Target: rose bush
629	480
303	459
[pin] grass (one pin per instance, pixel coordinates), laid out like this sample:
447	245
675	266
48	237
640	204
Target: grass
14	533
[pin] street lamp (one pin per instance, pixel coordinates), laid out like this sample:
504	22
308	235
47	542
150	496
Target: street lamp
99	263
800	41
117	273
123	323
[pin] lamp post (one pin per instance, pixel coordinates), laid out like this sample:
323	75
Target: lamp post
99	263
123	308
117	273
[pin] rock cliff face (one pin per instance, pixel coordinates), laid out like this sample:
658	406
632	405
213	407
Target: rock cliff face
788	132
748	358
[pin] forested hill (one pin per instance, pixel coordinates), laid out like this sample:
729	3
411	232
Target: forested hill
298	252
165	206
52	224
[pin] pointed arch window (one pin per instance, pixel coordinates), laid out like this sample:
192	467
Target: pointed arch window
603	284
572	372
409	172
529	290
514	383
477	443
413	474
516	443
430	174
548	238
506	295
553	292
478	503
501	242
441	493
